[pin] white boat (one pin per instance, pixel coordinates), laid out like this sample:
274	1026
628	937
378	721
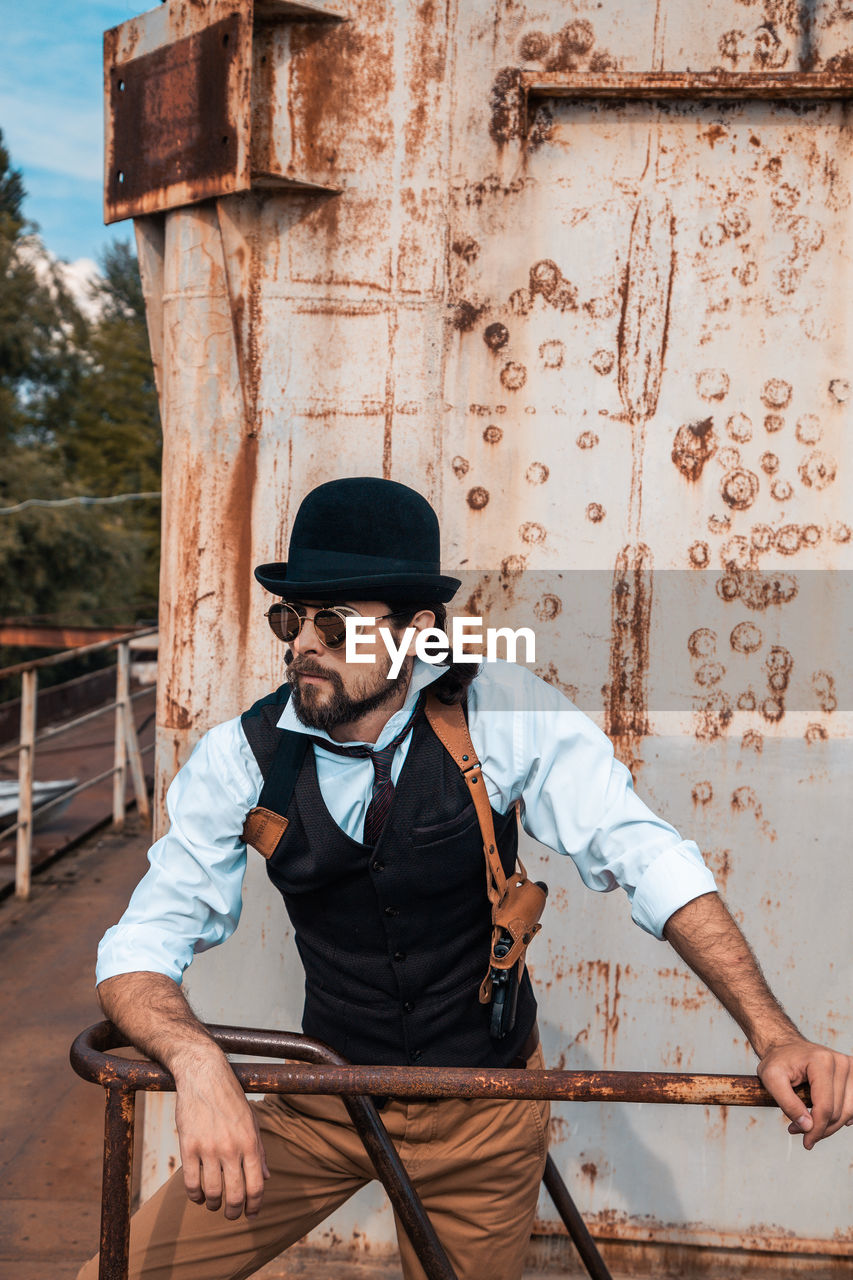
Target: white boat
43	792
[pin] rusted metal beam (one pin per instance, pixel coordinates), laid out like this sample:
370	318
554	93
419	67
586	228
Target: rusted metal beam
54	659
564	1204
91	1060
695	86
119	1116
45	637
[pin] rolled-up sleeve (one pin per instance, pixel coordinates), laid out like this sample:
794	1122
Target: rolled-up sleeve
191	897
578	799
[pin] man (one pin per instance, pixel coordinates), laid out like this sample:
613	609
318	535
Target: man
381	867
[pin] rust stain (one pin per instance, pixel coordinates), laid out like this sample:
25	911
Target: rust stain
713	717
646	294
513	376
477	498
552	354
493	434
626	705
817	470
776	394
739	488
720	863
237	529
702	643
461	466
699	555
532	532
752	740
506	100
824	686
702	793
746	638
537	473
739	427
694	444
177	716
715	133
547	280
496	336
712	384
464	315
466	248
595	512
587	440
548	608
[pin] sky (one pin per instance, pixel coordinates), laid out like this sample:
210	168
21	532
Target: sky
51	115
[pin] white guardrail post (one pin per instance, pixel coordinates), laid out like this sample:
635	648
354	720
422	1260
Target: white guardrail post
121	721
26	763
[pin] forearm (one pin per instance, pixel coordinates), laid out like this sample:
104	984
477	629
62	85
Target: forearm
709	940
153	1013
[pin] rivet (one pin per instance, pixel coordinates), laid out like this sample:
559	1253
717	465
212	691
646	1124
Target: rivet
464	757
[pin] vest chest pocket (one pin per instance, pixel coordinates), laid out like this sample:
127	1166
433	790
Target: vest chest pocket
438	832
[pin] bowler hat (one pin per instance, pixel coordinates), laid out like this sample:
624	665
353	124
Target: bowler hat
362	538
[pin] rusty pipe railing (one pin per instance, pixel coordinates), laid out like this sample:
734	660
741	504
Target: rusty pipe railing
320	1070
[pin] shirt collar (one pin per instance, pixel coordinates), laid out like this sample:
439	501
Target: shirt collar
423	675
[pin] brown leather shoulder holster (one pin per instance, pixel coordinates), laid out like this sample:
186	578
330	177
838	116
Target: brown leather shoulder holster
517	903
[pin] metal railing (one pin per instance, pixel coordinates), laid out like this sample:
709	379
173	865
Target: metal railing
127	757
318	1069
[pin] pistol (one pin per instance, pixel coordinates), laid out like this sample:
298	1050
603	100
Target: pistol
504	991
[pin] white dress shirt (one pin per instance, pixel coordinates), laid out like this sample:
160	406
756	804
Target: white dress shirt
535	747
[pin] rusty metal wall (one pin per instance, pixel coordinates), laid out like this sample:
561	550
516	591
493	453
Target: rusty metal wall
615	352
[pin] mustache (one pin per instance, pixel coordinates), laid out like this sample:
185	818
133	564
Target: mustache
305	667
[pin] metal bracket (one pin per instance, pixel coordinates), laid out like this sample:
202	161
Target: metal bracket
674	86
180	105
702	86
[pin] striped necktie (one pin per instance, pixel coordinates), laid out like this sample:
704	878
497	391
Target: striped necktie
383	787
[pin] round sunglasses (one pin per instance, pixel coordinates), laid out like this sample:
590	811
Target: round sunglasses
287	620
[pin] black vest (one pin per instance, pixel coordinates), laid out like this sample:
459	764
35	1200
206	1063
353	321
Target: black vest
394	939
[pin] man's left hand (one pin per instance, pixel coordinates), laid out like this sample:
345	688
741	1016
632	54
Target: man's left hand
828	1074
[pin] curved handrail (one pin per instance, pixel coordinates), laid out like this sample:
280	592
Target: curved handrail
319	1069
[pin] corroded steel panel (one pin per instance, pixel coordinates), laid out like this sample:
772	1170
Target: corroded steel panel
184	117
174	127
612	343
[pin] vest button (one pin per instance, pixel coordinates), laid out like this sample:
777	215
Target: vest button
391	911
416	1054
376	865
399	955
408	1007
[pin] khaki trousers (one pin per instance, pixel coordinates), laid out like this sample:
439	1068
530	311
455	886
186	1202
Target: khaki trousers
476	1165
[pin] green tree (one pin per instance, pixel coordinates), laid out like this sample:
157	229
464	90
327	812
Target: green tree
78	416
111	441
41	331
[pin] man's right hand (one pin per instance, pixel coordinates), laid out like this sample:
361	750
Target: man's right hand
221	1148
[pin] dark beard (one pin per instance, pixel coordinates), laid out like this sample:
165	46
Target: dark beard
341	708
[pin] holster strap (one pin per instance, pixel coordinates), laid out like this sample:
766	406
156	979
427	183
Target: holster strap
449	725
